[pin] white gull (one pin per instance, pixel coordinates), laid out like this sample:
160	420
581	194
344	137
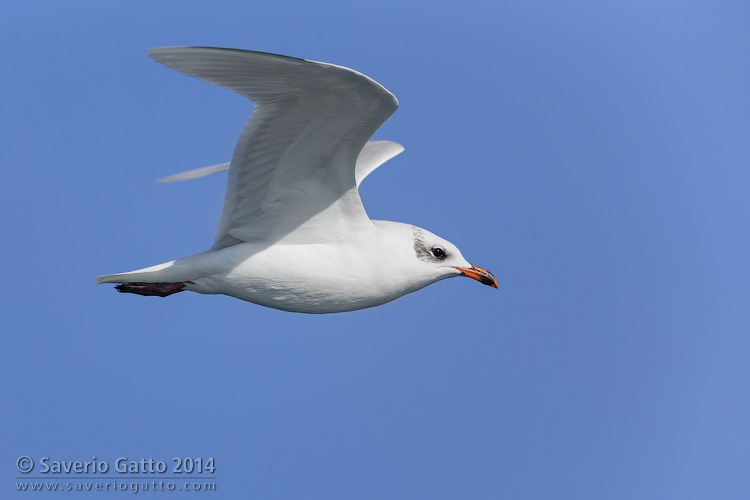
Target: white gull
293	233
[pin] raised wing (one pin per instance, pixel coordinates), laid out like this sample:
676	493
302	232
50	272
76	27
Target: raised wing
373	154
292	172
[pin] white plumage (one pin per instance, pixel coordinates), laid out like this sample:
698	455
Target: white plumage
293	233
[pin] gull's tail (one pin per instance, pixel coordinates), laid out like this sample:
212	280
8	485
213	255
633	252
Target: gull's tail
154	274
165	277
151	281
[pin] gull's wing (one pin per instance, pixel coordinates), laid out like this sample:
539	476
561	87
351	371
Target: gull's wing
374	154
195	173
292	172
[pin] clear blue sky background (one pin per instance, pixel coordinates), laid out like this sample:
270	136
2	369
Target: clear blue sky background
593	155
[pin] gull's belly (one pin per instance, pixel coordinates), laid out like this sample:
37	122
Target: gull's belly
304	278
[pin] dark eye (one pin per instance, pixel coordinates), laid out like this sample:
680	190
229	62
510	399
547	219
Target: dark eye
438	253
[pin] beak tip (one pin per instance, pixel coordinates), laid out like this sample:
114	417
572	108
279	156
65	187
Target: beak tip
490	281
481	275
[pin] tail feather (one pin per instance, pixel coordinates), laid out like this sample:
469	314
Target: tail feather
182	271
154	274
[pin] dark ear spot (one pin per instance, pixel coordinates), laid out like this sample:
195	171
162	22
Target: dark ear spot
425	252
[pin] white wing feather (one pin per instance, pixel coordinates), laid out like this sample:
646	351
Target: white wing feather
292	172
196	173
374	154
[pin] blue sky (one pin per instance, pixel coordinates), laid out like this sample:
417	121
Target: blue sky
593	155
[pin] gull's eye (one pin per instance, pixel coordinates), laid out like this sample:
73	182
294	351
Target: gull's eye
438	253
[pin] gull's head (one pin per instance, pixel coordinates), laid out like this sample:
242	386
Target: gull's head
438	259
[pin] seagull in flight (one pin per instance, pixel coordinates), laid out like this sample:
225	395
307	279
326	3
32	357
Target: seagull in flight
293	233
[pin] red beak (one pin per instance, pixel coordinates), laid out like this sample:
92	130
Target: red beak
481	275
